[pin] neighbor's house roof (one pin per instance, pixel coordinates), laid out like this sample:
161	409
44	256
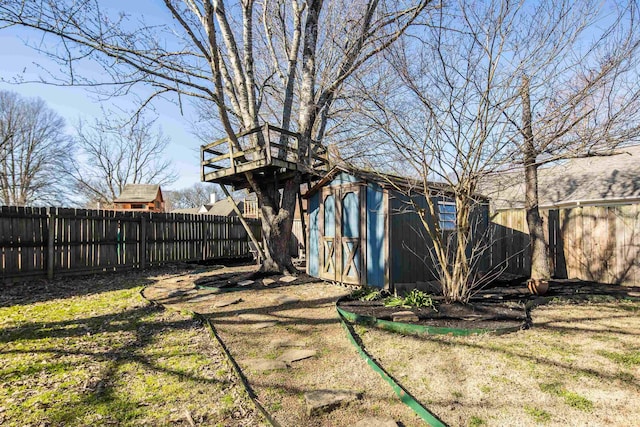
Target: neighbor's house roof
139	193
224	208
221	208
586	181
402	184
187	211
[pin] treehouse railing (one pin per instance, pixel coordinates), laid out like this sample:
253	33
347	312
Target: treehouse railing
261	147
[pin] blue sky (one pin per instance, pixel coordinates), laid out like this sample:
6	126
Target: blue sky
20	62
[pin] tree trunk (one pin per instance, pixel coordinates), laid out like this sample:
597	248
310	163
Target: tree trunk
540	269
277	222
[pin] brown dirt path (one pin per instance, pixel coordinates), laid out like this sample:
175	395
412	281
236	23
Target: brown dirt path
264	325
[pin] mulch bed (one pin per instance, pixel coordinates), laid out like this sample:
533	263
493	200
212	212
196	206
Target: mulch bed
463	316
501	306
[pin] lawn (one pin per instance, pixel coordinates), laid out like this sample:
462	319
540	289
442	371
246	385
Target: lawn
92	351
578	365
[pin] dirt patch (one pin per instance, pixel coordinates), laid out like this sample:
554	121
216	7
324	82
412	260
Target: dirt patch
466	381
271	320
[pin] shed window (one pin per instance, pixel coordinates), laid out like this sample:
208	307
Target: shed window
447	212
137	206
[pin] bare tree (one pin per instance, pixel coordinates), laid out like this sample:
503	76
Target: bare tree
440	109
192	197
249	60
115	152
579	89
35	152
498	85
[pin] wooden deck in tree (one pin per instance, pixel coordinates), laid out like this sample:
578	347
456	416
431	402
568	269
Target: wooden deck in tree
268	152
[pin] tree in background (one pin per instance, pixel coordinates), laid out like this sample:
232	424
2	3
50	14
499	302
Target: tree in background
35	153
248	61
192	197
578	83
116	152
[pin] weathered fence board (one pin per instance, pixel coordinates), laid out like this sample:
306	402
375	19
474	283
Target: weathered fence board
43	242
599	243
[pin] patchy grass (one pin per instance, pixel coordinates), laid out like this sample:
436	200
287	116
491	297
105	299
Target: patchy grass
578	365
540	416
476	422
628	359
572	399
110	358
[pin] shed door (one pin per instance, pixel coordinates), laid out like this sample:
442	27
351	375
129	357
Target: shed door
341	258
328	238
350	238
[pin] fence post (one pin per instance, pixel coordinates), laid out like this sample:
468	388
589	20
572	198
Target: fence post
51	221
142	255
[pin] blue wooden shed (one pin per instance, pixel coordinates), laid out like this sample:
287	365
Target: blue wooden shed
363	229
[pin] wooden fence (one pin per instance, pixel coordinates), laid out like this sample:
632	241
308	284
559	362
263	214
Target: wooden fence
599	243
43	242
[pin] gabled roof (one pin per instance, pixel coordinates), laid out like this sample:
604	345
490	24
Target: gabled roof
191	211
221	208
589	180
224	208
139	193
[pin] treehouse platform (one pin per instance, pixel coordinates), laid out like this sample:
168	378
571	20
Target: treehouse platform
268	152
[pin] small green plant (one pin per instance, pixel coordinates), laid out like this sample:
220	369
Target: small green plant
415	298
476	422
367	293
394	302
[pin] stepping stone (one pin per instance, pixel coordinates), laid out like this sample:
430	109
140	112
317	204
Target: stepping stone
181	293
285	299
224	303
245	283
320	401
264	364
255	317
201	298
404	316
263	325
294	355
287	279
376	422
286	342
267	282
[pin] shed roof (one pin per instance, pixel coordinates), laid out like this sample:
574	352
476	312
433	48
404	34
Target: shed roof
403	184
590	180
139	193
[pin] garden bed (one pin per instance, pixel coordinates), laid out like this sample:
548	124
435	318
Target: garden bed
459	316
